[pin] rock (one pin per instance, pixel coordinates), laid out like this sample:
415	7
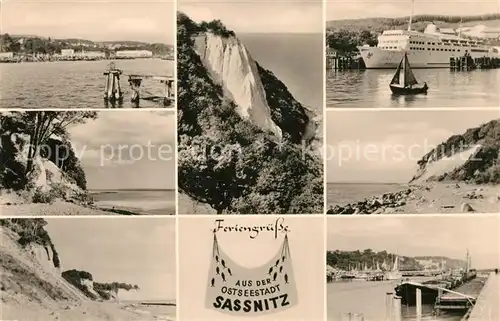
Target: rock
466	207
379	211
390	210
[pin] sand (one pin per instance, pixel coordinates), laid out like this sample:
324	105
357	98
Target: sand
432	198
58	208
85	311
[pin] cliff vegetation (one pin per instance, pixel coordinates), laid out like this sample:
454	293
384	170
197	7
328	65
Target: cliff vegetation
482	167
228	162
38	159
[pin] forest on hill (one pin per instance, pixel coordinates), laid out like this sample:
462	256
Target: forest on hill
345	35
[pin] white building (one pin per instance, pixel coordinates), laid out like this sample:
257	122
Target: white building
67	52
6	55
91	54
134	53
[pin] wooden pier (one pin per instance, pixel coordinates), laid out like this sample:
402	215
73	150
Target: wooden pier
113	92
488	302
467	63
462	298
336	61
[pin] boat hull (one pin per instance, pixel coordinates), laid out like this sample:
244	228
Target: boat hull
376	58
400	90
408	294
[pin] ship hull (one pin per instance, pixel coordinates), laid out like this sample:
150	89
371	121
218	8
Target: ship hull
376	58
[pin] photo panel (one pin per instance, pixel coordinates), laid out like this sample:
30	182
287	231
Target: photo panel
413	162
87	54
413	268
87	163
88	268
412	53
250	107
264	268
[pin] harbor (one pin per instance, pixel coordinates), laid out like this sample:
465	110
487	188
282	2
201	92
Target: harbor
427	272
81	84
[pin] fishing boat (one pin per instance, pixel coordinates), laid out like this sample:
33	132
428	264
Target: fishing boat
394	273
404	81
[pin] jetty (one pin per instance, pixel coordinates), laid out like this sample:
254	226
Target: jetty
113	92
487	305
336	61
467	63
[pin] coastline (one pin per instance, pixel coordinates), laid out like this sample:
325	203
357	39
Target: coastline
427	198
18	61
89	310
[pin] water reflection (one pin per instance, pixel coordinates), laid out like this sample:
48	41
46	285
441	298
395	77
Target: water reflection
370	89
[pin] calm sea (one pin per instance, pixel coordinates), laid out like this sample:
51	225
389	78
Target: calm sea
370	89
75	84
161	202
344	193
368	299
293	58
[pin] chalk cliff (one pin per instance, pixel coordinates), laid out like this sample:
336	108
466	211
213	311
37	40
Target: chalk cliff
230	62
264	140
473	156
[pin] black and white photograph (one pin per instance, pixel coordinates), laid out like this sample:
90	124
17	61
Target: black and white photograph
412	53
413	162
87	163
87	54
250	88
439	268
80	269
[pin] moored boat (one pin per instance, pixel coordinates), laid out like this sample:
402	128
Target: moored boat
404	81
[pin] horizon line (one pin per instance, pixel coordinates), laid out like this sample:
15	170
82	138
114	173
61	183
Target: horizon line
423	14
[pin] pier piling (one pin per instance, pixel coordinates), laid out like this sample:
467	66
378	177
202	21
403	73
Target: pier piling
397	308
112	90
419	304
389	310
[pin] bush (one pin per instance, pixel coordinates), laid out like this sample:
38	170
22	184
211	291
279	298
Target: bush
45	197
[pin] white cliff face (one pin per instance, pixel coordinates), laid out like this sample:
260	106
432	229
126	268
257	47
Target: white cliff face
229	60
44	255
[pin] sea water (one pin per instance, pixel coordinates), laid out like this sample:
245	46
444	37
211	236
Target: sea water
142	201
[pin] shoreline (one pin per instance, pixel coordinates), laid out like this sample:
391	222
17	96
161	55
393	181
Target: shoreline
426	198
62	208
18	61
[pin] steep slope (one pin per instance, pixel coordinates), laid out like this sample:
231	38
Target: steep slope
472	157
231	111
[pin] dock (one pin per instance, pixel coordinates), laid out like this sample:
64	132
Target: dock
488	301
113	92
462	298
467	63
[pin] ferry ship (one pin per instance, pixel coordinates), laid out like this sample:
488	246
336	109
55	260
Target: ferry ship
428	49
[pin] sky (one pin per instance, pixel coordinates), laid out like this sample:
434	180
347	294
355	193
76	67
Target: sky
357	9
384	146
115	154
96	20
137	251
421	235
259	16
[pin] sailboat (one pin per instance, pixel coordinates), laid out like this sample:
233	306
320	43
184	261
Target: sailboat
405	83
394	273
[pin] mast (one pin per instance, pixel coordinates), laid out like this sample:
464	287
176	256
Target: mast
412	12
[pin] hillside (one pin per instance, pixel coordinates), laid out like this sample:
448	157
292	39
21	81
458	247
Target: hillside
472	157
345	35
350	259
33	287
47	45
419	22
39	162
240	131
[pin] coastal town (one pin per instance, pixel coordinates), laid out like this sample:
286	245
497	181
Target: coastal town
15	49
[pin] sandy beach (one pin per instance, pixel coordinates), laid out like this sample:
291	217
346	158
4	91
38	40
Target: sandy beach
428	198
87	310
58	208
